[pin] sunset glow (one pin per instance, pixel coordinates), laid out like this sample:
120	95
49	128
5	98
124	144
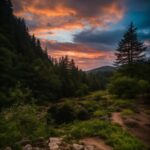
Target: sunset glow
85	30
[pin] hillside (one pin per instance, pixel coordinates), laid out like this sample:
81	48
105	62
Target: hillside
102	69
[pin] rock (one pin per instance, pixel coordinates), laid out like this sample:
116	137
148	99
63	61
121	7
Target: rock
89	147
27	147
8	148
54	143
77	147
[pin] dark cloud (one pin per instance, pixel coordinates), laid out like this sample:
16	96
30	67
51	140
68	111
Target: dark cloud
50	13
101	37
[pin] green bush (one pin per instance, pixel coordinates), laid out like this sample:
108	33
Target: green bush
124	87
144	87
21	122
61	113
127	112
83	89
67	112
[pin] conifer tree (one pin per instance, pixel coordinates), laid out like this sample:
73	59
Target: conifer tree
130	50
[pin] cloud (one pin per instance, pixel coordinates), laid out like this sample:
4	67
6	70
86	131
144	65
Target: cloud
68	14
85	57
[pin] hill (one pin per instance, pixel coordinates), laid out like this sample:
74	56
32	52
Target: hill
102	69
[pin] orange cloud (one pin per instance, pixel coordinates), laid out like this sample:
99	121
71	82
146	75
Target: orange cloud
84	56
69	14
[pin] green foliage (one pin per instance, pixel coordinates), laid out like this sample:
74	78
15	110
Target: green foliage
21	122
67	112
130	50
124	87
23	60
127	112
114	135
144	86
83	89
62	113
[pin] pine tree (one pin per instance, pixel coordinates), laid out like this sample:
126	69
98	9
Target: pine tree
130	50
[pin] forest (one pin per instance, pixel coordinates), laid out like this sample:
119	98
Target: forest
42	97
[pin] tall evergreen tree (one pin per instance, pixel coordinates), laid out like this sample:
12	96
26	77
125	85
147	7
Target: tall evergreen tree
130	50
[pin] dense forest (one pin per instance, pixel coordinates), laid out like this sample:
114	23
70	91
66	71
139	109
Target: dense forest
43	97
27	72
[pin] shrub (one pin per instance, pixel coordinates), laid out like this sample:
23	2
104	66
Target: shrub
83	114
61	113
127	112
144	86
21	122
67	112
124	87
83	89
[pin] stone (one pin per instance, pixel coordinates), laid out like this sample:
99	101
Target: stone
77	147
89	147
54	143
27	147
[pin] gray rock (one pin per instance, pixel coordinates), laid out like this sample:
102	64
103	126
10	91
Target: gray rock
27	147
77	147
54	143
89	147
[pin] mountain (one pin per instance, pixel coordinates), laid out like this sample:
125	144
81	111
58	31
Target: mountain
102	69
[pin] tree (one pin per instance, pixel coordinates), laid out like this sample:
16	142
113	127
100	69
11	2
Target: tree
130	50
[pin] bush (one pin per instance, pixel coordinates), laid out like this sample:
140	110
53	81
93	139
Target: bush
127	112
82	90
144	86
67	112
61	113
124	87
82	114
21	122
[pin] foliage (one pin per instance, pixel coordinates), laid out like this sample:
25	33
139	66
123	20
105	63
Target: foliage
130	50
144	86
123	87
21	122
114	135
127	113
67	112
24	61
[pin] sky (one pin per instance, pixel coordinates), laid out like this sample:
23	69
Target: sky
86	30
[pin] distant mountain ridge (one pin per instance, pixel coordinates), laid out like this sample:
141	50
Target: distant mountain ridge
102	69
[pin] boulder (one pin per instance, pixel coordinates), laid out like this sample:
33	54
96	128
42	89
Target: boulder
28	147
54	143
77	147
89	147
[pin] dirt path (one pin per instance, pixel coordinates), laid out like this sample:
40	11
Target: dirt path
141	127
97	143
116	118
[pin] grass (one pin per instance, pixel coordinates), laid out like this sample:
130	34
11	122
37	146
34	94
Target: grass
30	122
127	113
114	135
